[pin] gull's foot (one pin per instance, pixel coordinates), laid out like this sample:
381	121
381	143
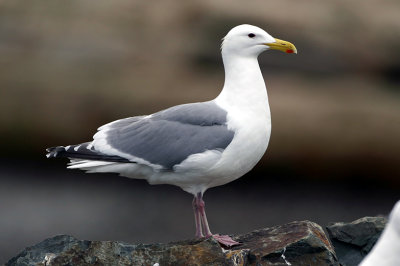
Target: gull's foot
225	240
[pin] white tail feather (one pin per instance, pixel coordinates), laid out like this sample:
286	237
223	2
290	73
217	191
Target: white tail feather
87	164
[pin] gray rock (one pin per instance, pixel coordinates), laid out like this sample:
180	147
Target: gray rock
352	241
66	250
296	243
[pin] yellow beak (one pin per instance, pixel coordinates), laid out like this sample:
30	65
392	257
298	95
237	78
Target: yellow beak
283	46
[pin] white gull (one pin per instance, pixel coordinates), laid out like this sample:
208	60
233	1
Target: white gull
386	251
194	146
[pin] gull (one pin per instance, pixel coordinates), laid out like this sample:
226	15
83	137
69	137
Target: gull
195	146
386	251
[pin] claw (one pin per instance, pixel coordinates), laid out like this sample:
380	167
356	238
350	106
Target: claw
225	240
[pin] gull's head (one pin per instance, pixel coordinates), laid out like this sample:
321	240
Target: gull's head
248	40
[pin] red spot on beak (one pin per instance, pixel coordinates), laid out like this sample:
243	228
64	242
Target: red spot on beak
290	51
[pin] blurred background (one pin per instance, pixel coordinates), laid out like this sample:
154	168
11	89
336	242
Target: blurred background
69	67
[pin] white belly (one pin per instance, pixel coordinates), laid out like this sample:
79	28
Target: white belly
246	149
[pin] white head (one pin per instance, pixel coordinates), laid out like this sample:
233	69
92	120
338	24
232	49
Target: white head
248	40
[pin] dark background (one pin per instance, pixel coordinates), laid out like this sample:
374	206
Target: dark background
69	67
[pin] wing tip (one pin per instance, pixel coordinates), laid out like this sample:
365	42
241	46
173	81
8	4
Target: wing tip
53	152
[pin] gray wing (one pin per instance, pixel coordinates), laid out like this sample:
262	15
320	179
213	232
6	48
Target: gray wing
168	137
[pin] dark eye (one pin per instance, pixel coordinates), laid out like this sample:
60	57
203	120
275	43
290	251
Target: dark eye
251	35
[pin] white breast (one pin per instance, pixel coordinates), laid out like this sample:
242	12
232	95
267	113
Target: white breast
253	130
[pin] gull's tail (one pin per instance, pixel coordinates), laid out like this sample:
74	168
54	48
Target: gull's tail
85	157
82	151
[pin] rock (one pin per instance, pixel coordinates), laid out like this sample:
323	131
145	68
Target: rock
296	243
352	241
66	250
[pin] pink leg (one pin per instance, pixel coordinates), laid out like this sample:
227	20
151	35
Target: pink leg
200	217
199	205
197	219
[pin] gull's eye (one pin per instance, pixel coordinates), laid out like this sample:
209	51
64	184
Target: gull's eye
251	35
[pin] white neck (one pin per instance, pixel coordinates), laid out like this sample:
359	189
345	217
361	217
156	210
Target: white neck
244	84
245	99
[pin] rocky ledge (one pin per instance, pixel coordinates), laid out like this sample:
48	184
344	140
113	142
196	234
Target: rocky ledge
296	243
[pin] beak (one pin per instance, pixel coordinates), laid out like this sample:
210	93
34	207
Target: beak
283	46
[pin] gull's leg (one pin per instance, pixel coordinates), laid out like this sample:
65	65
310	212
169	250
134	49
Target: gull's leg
197	218
222	239
204	223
